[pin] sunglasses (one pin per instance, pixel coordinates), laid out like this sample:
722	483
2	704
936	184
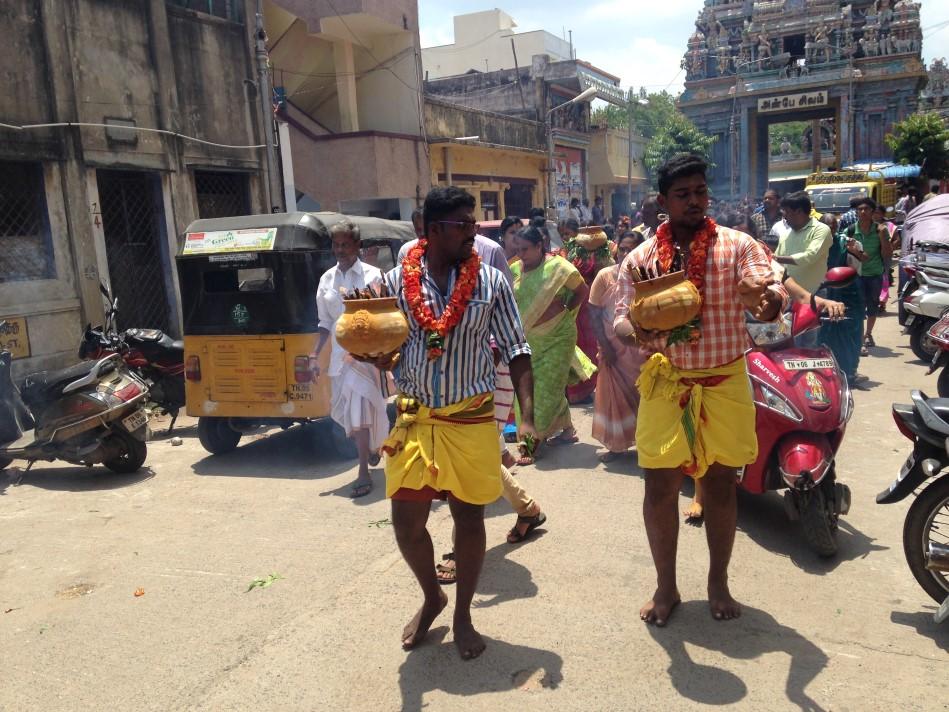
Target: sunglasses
467	225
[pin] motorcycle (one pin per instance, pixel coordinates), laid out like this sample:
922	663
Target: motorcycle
926	528
86	414
150	353
924	306
802	403
939	335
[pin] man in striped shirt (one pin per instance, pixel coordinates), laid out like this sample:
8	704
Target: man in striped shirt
696	414
445	441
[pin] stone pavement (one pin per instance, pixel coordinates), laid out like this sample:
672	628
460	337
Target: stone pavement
560	613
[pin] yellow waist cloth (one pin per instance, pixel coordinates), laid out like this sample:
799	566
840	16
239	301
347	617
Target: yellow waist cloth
690	419
452	449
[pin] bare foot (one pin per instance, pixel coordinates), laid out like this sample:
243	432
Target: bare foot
694	514
658	609
721	603
417	628
469	642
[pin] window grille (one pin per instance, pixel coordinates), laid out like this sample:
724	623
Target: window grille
228	9
26	250
222	194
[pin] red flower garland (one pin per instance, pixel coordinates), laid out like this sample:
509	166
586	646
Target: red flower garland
460	296
694	270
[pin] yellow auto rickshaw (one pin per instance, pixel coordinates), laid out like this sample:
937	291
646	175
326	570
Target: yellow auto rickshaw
248	296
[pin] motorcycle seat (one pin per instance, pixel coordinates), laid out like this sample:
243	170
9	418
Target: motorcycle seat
155	344
43	386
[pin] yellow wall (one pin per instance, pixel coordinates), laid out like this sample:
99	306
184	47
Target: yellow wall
492	166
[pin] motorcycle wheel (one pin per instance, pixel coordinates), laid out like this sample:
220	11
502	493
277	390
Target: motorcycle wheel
925	519
942	384
216	436
820	522
134	452
923	347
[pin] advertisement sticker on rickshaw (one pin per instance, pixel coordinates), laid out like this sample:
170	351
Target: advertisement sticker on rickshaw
253	239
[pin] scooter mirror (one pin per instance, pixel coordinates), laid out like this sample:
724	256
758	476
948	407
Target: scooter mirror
839	277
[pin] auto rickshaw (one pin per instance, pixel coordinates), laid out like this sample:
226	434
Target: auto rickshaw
248	295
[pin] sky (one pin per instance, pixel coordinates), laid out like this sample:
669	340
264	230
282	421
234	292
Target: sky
640	41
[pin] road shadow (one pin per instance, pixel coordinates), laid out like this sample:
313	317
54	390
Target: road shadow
763	519
883	352
626	464
71	479
753	635
299	453
503	580
436	665
562	457
923	623
159	430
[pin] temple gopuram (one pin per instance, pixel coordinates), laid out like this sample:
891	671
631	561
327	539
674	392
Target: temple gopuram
849	69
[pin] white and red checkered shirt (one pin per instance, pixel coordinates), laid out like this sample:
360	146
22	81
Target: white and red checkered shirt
732	256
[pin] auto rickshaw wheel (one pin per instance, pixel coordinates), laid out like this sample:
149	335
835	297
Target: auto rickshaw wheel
217	436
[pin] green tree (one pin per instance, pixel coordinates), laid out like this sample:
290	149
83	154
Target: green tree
921	140
677	135
667	129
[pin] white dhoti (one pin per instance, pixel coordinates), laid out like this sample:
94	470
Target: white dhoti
358	401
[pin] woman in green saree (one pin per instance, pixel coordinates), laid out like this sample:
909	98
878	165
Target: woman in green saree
549	291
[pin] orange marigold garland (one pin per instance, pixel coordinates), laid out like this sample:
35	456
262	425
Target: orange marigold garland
437	329
694	271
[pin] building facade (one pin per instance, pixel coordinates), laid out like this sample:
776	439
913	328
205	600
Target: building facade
852	68
347	77
125	121
486	42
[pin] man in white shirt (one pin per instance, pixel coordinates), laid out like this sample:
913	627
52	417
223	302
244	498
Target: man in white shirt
358	404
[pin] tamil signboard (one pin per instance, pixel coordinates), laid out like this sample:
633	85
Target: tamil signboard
790	102
253	239
14	336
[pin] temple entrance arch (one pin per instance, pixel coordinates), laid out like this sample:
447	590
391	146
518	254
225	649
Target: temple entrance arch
791	168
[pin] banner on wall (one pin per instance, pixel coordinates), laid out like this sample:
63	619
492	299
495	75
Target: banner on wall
571	182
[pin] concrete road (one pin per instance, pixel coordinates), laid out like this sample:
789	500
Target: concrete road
560	613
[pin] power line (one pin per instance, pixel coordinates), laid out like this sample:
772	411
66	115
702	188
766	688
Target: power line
86	124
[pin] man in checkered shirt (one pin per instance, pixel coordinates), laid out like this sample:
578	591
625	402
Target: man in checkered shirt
696	414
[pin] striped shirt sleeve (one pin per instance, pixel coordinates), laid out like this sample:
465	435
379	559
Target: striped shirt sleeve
506	322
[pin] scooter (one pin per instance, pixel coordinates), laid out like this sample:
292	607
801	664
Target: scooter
149	353
86	414
924	306
803	404
925	538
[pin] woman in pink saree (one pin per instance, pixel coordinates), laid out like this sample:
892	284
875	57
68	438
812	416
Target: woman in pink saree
617	400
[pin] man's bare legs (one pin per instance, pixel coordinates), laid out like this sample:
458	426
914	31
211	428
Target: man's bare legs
363	480
721	514
415	543
662	529
469	556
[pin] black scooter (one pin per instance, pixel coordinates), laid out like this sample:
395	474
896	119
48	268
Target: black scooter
86	414
926	528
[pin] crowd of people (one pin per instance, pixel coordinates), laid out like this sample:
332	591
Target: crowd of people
530	327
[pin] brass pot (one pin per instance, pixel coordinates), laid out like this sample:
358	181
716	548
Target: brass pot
591	237
663	303
371	327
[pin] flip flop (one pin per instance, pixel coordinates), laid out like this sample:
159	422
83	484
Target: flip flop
446	574
561	440
515	537
609	456
360	490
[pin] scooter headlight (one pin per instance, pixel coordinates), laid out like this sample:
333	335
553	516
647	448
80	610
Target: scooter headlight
774	401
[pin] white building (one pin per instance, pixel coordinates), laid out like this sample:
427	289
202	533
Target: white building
483	43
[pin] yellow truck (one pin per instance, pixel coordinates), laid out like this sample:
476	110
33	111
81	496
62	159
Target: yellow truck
831	191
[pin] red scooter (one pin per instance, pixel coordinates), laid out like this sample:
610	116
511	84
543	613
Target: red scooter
803	403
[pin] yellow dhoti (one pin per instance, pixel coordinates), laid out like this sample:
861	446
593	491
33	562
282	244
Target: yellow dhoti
451	449
690	419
